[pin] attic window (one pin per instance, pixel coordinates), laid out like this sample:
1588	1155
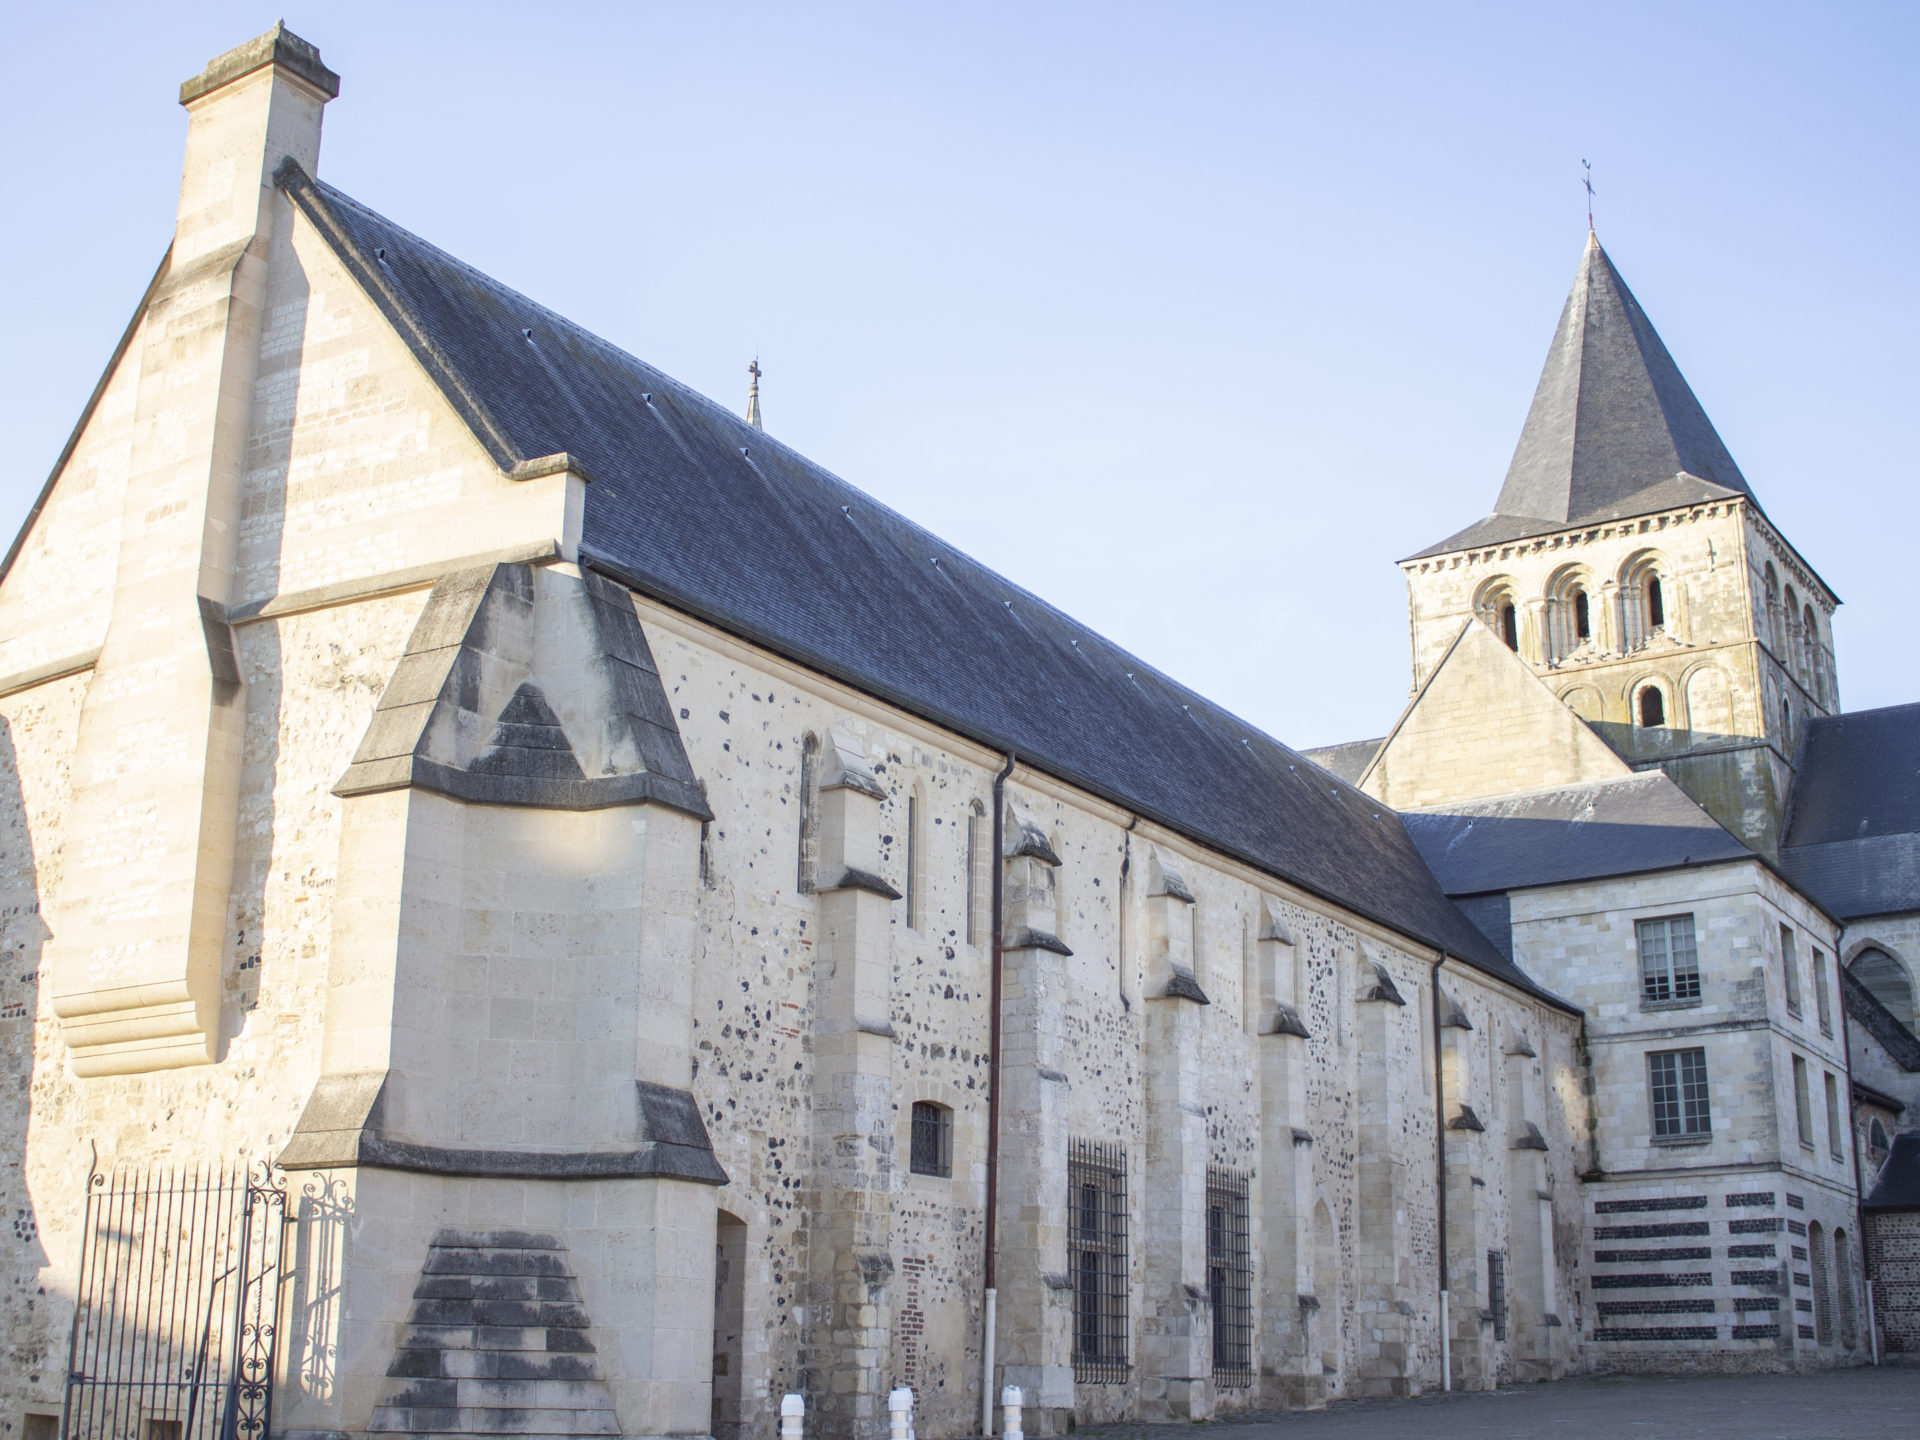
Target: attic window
1653	707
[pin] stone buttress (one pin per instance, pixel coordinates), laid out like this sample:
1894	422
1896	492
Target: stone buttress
507	1041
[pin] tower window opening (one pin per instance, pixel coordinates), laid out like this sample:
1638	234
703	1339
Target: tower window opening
1656	604
1509	626
1582	626
1653	707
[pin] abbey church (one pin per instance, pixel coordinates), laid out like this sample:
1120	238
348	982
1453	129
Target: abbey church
537	910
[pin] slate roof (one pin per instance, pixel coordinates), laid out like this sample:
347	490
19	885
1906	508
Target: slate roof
1348	760
1582	832
690	505
1897	1187
1852	836
1614	430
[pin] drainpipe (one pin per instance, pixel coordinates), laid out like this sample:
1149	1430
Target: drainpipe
991	1316
1440	1178
1853	1141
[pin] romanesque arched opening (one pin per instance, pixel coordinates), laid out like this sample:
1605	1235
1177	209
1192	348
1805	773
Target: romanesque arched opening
1652	707
1888	980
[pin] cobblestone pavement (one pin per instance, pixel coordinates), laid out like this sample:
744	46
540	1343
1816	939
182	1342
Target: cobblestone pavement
1863	1404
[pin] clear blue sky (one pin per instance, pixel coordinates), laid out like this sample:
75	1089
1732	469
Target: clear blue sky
1190	318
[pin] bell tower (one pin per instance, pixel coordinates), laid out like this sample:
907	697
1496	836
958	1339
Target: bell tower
1628	561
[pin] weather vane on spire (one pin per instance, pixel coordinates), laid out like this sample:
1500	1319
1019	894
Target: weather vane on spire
753	395
1587	181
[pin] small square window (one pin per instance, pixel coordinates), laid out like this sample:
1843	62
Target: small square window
932	1139
1677	1080
1669	961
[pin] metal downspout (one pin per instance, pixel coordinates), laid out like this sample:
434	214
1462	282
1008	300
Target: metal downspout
1440	1181
1859	1189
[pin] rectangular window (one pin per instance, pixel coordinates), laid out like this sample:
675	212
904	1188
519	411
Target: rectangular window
979	840
1821	999
1790	968
1097	1260
1230	1277
932	1139
1802	1102
913	863
1669	963
1835	1144
1678	1082
1497	1291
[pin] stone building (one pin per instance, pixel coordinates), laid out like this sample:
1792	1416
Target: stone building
661	931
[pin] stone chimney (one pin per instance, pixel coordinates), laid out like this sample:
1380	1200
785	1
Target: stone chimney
141	921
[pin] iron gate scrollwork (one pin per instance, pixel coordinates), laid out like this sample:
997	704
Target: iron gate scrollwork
179	1302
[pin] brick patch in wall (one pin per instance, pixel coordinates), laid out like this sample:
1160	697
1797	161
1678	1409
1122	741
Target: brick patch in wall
1656	1307
1756	1332
1653	1257
1796	1202
1803	1279
1661	1332
1744	1303
1649	1232
1664	1202
1805	1307
1652	1280
1797	1227
1768	1226
1806	1332
1754	1277
1751	1252
1750	1197
1799	1251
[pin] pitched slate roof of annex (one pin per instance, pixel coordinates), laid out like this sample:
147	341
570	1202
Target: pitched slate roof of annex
1580	832
1852	838
690	505
1897	1187
1614	429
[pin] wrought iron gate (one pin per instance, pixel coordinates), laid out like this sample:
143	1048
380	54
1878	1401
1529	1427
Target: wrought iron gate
174	1331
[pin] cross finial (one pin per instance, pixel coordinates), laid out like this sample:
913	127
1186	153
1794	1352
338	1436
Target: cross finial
753	394
1587	180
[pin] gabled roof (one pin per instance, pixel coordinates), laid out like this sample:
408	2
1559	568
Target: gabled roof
1614	430
1852	837
1628	826
692	506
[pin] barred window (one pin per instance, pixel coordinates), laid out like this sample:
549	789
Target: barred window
1678	1080
1097	1260
1669	963
1230	1277
932	1139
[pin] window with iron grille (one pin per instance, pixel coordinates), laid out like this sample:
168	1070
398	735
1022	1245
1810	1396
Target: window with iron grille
1097	1260
931	1139
1230	1277
1669	963
1678	1080
1497	1291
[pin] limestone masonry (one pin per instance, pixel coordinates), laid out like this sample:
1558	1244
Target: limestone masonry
534	909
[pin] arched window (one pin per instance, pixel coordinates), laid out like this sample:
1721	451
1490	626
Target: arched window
1843	1289
1790	650
1569	612
1646	600
1822	1282
1770	588
1887	980
1653	707
1877	1143
1498	610
1810	650
931	1143
1582	621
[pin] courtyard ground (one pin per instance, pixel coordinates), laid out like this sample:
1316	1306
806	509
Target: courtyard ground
1864	1404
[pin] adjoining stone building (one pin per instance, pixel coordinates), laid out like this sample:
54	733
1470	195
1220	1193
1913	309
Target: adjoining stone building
686	934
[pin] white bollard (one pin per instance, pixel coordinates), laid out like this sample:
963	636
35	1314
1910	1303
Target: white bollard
793	1417
1010	1414
900	1413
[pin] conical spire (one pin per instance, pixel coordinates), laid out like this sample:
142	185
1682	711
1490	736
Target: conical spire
1614	429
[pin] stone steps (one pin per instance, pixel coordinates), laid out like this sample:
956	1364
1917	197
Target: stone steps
497	1343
